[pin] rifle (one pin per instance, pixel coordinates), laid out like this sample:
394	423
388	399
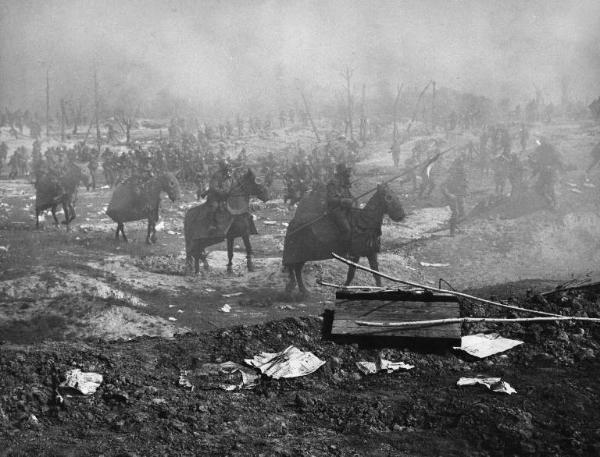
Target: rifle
404	173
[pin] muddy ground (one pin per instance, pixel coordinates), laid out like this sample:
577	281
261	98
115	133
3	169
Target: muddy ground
115	308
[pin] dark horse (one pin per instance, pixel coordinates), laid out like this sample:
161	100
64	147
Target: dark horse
310	239
49	194
134	202
236	223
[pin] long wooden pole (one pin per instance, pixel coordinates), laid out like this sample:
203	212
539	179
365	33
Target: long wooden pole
433	107
460	320
435	289
47	102
416	111
98	137
405	172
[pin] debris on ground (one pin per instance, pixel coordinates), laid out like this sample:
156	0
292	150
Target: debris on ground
494	384
382	365
225	308
289	363
439	265
227	376
84	383
234	294
484	345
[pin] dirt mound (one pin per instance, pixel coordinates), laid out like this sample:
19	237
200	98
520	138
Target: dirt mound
140	408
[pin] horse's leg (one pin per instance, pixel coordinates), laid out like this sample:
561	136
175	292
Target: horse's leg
230	240
351	270
53	210
117	231
37	218
298	272
71	211
204	257
248	246
66	211
291	285
123	231
374	264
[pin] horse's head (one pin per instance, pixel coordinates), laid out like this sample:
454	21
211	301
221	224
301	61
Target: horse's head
170	185
252	186
391	203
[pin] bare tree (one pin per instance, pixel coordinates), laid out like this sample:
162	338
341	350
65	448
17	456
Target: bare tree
347	75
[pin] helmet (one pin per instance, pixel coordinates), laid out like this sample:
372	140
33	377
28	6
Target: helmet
224	165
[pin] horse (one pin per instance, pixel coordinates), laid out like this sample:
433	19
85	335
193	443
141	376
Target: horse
134	202
319	237
236	222
49	194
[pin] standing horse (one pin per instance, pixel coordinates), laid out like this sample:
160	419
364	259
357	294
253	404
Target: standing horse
236	223
318	238
133	202
49	194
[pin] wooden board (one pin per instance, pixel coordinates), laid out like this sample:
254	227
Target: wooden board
395	306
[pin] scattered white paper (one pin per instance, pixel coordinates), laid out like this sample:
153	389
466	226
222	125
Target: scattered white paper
4	248
270	222
588	184
172	319
225	308
290	363
158	227
575	190
171	232
85	383
494	384
382	365
484	345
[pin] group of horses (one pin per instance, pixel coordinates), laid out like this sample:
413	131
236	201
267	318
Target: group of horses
311	235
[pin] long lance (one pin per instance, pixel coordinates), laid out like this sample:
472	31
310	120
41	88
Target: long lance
404	173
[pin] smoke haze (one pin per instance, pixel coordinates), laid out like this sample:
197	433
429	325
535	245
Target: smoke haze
241	55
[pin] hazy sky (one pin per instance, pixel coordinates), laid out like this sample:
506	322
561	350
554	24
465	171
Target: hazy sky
233	52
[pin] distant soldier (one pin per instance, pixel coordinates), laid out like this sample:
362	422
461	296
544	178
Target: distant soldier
523	136
516	175
282	119
219	188
108	166
395	150
92	158
595	153
454	190
340	200
3	154
500	167
240	125
545	183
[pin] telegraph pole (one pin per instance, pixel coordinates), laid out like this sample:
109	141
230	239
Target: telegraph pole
98	138
47	102
433	107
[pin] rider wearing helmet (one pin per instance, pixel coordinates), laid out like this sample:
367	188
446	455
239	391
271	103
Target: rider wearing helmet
218	191
340	200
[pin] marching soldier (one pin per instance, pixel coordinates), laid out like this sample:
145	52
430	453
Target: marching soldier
395	150
455	190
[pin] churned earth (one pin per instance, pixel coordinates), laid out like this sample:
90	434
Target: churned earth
81	299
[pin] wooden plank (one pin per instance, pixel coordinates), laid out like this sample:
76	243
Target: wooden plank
387	306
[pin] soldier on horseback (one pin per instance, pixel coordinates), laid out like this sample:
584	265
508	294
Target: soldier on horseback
340	200
219	188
